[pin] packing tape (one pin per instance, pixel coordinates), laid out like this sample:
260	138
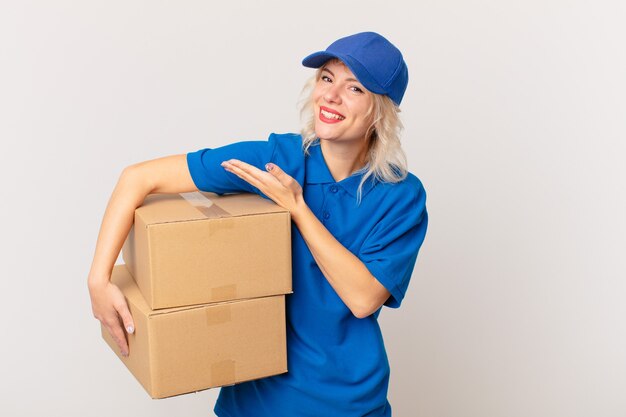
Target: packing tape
217	315
205	205
223	373
226	292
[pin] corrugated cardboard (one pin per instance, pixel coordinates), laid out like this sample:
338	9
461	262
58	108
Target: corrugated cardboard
184	253
180	350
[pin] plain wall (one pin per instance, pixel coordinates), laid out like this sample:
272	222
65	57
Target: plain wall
514	120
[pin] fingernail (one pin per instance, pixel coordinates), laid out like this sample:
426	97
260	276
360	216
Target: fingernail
130	329
124	353
269	166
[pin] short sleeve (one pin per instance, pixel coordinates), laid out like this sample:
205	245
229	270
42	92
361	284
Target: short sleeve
390	250
208	174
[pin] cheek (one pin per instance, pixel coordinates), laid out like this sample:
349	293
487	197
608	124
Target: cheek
317	93
361	110
315	101
358	104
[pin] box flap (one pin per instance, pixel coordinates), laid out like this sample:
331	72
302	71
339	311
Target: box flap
168	208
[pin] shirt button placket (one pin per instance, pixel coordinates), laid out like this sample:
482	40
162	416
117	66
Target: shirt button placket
333	189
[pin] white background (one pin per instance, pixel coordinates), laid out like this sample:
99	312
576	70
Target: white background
515	122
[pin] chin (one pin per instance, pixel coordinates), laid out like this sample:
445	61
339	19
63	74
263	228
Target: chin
329	132
325	135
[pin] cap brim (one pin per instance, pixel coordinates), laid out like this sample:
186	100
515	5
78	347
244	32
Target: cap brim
317	59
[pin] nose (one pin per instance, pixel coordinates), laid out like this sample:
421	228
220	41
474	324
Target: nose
332	94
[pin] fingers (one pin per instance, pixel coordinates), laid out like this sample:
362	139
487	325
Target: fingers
123	314
278	173
115	329
285	179
247	172
127	319
118	324
111	308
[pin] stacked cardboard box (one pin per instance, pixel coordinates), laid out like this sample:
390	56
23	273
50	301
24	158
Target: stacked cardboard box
205	279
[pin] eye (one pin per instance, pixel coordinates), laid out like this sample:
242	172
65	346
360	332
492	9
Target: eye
325	78
356	89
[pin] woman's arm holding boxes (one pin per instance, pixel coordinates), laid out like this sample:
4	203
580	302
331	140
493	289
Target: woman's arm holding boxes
164	175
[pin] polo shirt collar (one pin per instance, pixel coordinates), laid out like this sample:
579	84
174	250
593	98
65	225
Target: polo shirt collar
317	172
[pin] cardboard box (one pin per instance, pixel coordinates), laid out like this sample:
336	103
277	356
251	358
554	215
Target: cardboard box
198	248
186	349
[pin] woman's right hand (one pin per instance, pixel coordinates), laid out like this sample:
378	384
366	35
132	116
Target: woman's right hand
110	307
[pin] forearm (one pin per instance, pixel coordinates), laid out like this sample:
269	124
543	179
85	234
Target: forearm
128	194
345	272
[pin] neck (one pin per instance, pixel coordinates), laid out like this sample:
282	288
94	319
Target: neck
343	159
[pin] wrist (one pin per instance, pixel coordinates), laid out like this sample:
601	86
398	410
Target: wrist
299	210
97	282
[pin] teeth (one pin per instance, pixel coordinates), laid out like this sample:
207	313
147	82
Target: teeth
330	115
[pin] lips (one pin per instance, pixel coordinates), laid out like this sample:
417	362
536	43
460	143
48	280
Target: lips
330	116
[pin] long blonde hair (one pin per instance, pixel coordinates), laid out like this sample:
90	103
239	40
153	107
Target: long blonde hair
386	161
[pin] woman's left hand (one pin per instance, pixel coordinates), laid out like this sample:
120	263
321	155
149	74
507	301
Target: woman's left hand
283	189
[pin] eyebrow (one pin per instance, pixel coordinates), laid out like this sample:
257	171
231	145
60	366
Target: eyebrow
347	79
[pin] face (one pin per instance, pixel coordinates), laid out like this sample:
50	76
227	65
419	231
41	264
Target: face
341	104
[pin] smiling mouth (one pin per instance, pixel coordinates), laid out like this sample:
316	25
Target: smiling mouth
326	115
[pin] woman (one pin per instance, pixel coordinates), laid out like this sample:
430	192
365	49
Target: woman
359	219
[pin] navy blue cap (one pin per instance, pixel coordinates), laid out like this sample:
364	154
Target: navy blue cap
373	60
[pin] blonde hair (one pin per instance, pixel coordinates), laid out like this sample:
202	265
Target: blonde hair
386	161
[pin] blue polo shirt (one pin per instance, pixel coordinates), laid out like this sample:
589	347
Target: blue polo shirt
337	363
